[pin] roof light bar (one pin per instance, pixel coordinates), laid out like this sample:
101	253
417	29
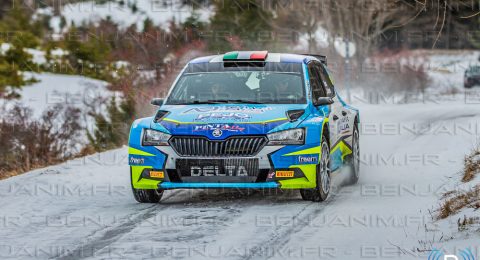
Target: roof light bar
230	55
245	56
259	55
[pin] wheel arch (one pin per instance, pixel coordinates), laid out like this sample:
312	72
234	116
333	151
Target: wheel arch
325	132
356	120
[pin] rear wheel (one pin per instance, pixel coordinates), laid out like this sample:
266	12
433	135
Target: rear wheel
323	177
354	159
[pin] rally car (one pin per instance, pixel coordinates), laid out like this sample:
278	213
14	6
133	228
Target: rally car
471	76
246	120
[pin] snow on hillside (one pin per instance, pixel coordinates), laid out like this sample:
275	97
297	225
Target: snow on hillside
53	89
160	12
70	90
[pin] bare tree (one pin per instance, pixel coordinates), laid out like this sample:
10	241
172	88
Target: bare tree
30	142
365	21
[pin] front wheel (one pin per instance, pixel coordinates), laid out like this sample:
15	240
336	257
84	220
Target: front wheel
147	196
323	177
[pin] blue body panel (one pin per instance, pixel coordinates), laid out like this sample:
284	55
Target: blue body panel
156	159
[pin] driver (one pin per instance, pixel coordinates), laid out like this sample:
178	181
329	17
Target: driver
282	87
284	90
218	90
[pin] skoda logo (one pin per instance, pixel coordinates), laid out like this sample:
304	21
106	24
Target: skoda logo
217	133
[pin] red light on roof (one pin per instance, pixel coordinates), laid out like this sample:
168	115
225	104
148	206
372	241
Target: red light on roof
259	55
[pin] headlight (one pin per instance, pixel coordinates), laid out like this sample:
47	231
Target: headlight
154	138
292	136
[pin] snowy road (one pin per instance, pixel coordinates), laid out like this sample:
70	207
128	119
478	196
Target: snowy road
84	209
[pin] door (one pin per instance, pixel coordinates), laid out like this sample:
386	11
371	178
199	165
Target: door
319	89
341	123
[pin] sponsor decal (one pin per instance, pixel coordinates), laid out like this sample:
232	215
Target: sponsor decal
223	127
307	159
316	119
134	160
217	133
229	170
343	125
222	116
247	109
284	174
157	174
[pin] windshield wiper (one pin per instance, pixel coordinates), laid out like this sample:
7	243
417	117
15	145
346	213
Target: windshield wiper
219	101
200	102
237	101
208	102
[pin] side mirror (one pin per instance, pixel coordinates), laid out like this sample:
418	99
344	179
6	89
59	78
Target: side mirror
157	101
321	101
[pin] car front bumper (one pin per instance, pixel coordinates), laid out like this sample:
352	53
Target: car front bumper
265	176
142	180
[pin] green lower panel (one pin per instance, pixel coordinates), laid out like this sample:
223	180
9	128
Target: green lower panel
308	182
144	184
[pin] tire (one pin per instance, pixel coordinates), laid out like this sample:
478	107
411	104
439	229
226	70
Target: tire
323	178
146	196
353	161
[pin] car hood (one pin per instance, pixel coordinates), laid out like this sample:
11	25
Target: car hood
220	121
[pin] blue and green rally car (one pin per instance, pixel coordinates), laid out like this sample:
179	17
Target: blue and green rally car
246	120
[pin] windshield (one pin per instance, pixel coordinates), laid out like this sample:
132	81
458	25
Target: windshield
239	86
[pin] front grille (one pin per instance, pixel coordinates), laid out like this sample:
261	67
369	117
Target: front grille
203	147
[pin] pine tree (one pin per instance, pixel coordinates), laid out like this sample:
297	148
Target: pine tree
134	7
9	75
147	25
113	132
244	21
16	19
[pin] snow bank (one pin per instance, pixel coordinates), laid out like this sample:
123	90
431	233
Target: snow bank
53	89
446	68
71	90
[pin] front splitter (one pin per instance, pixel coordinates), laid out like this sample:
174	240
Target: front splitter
216	185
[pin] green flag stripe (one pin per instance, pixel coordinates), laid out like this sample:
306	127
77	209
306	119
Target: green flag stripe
230	55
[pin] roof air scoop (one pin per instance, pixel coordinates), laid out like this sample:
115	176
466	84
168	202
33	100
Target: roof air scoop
294	115
245	56
160	115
